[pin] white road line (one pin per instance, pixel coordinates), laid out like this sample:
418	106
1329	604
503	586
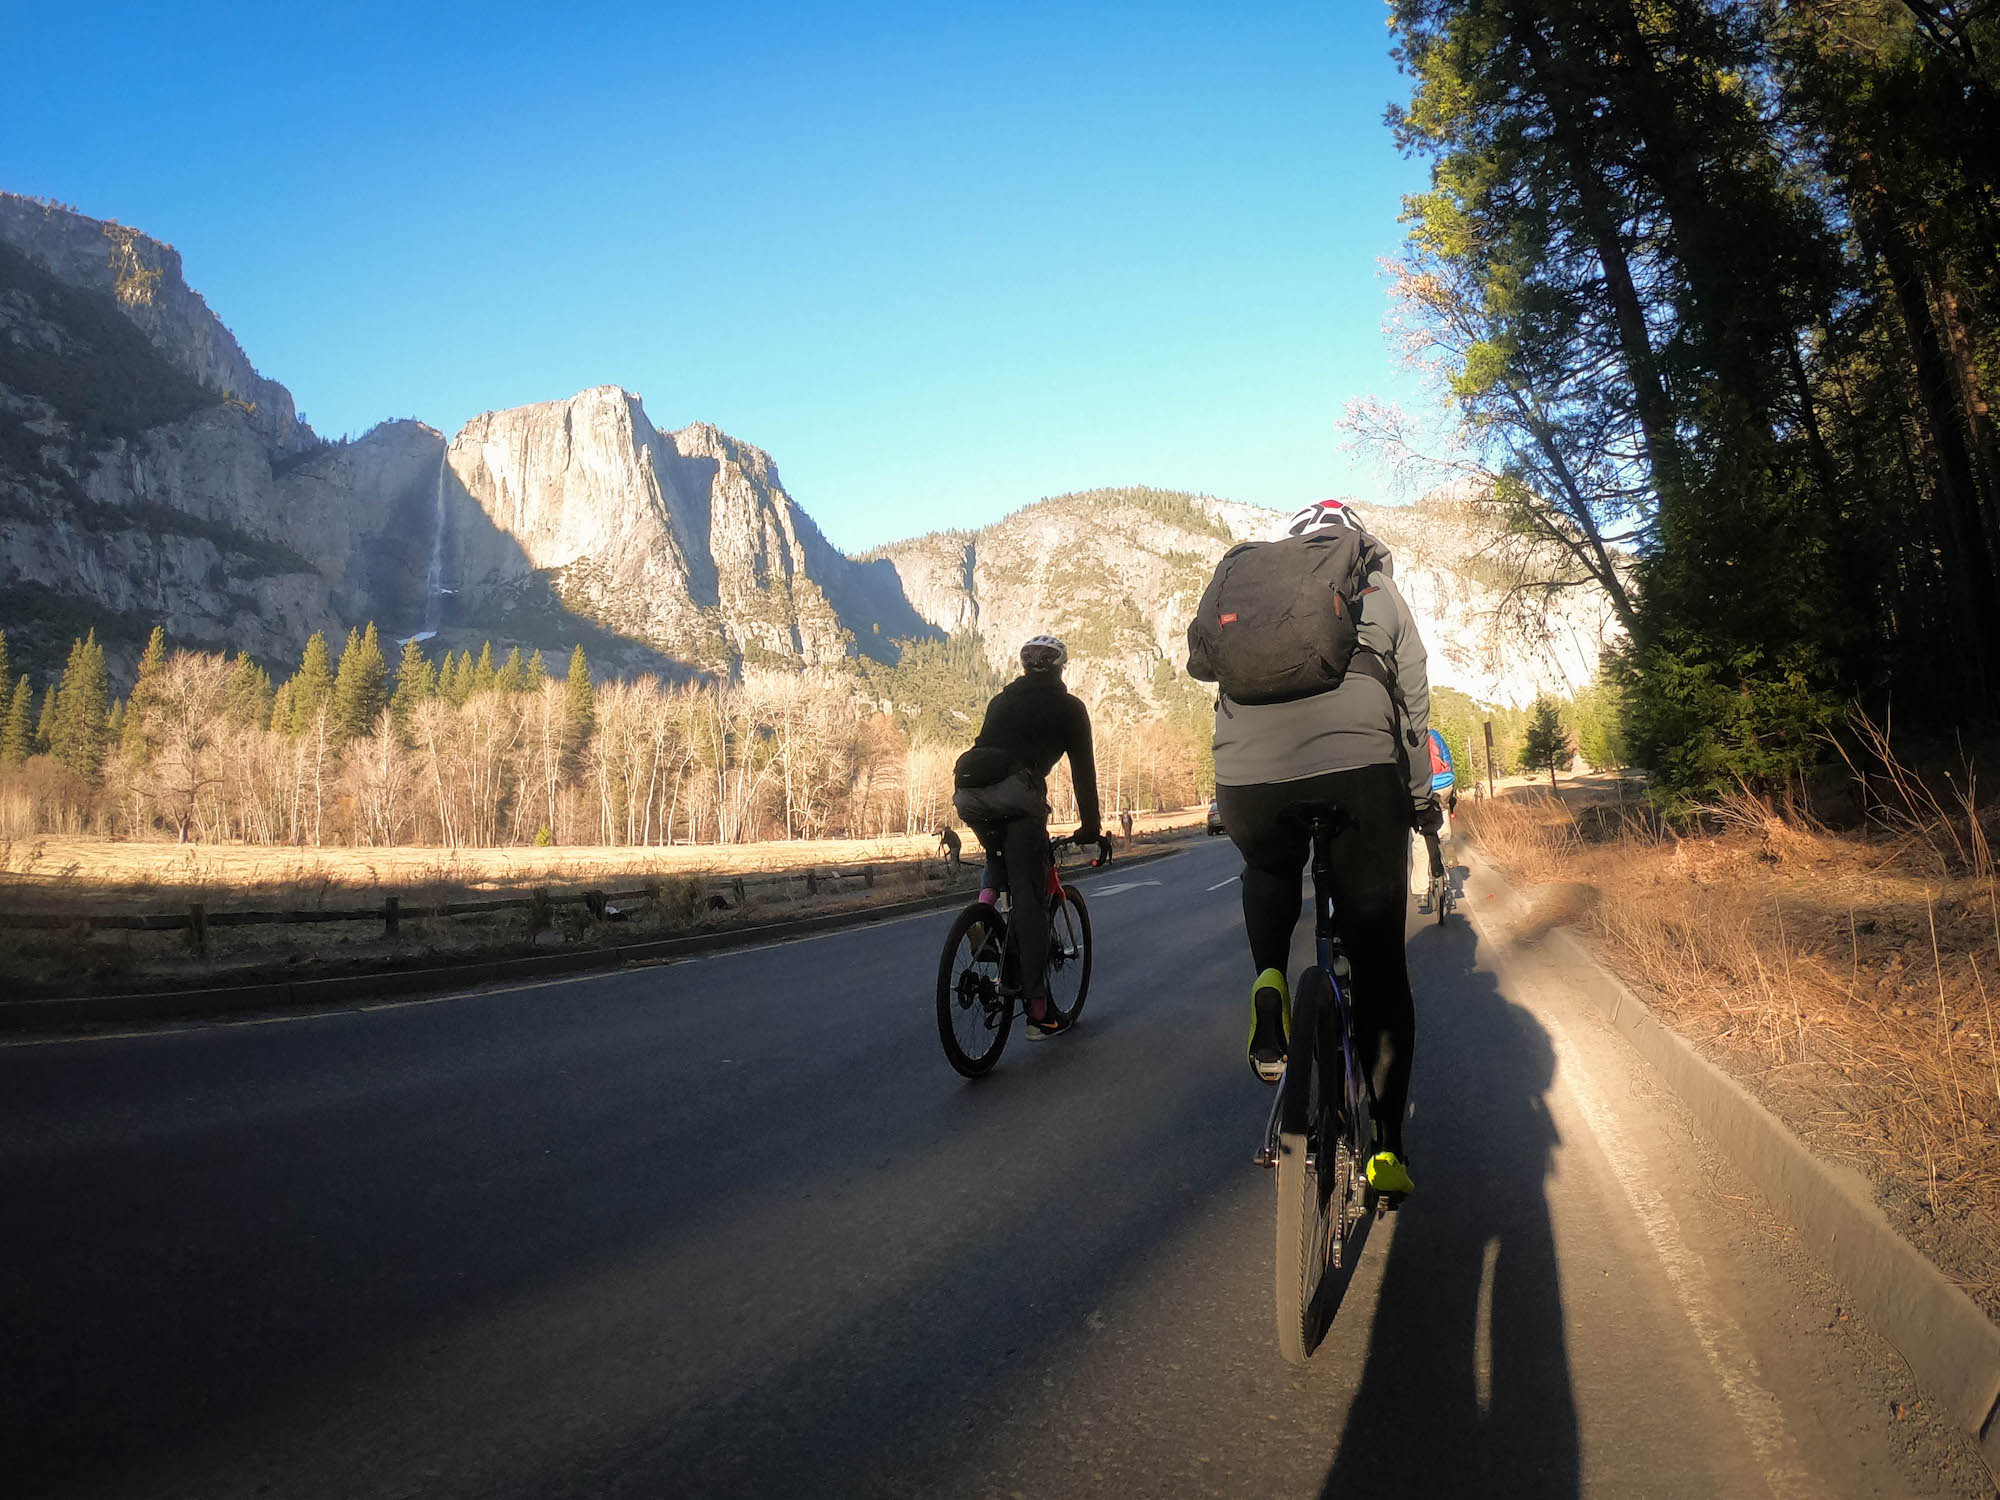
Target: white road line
1123	885
1720	1338
1221	883
1482	1330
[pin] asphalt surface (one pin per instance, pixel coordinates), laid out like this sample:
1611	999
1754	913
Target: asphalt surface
733	1227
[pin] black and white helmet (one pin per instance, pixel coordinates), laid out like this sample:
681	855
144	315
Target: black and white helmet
1319	515
1044	653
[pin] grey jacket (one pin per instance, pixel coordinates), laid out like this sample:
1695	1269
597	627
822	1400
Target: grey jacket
1354	725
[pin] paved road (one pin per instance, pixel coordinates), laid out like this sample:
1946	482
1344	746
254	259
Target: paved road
732	1227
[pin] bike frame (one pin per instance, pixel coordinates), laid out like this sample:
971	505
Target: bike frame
1003	901
1354	1094
1326	944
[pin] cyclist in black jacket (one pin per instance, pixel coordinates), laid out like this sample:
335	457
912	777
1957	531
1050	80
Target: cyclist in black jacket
1030	724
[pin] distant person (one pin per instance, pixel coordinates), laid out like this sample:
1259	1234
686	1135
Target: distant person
1002	795
1125	822
948	844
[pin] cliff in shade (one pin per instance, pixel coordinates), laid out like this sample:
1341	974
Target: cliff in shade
150	475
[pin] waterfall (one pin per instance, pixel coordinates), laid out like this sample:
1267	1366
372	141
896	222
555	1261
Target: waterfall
434	574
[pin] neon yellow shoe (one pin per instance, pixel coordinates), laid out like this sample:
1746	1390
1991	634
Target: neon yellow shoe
1270	1025
1388	1175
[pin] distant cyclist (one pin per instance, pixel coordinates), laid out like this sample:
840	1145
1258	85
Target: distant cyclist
1002	795
1444	783
1332	700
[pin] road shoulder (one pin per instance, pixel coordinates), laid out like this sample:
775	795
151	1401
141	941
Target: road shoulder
1824	1282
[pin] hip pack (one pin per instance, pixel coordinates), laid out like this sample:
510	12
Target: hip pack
1280	620
983	766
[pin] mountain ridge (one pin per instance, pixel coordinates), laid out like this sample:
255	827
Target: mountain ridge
204	502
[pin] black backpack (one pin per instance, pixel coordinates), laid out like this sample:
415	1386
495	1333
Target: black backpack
1280	620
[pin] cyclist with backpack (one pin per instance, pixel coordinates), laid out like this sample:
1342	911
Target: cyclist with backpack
1444	783
1323	702
1001	793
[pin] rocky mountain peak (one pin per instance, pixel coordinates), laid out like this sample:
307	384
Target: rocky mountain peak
144	276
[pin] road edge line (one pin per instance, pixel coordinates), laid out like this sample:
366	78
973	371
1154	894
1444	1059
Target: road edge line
1950	1345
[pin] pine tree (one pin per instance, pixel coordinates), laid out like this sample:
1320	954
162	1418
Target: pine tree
77	737
46	723
1548	743
6	666
455	678
281	707
484	677
131	732
311	685
361	691
416	680
247	701
579	698
17	734
538	673
513	674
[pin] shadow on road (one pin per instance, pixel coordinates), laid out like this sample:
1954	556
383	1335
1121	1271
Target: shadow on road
1466	1389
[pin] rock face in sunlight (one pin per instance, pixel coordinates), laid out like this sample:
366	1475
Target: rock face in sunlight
684	539
149	475
1117	573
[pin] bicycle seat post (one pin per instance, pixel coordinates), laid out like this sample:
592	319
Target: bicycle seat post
1322	877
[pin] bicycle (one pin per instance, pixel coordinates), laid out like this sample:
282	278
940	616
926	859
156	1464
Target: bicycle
977	994
1440	896
1319	1137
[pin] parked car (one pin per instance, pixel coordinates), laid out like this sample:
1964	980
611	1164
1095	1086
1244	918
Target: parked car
1214	817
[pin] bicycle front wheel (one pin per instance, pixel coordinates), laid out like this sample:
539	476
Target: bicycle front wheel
973	1016
1069	954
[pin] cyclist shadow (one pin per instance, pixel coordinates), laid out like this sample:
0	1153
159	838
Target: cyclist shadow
1466	1386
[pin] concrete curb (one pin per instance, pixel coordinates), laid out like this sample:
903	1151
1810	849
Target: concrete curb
182	1005
1951	1346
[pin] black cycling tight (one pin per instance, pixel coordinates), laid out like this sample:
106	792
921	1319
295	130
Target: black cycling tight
1370	864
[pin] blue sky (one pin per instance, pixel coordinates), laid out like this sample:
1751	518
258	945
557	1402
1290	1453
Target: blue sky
939	260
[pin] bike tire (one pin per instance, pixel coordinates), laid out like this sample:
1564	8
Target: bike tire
973	1017
1304	1232
1069	954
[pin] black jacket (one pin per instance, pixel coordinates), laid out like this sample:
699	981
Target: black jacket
1036	719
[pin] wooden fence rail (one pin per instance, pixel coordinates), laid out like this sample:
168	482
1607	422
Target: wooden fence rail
394	909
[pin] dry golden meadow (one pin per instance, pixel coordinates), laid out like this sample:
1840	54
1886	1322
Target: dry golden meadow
1851	981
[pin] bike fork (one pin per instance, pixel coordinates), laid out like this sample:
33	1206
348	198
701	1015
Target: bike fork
1267	1154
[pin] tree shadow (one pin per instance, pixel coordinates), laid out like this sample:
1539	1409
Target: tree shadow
1466	1388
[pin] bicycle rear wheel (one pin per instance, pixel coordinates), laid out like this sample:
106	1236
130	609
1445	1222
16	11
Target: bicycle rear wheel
1308	1241
973	1016
1069	954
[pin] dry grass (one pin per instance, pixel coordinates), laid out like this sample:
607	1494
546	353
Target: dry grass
56	874
1850	979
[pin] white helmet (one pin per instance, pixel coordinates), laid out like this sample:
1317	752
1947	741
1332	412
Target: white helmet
1045	653
1320	514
